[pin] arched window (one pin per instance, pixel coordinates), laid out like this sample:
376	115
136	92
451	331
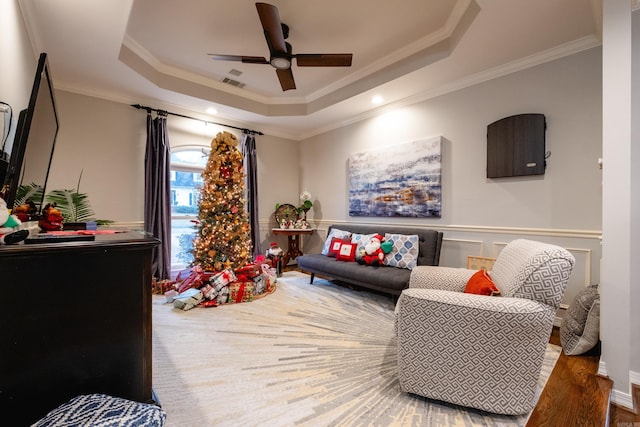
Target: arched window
187	164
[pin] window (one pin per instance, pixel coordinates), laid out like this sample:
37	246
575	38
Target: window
187	165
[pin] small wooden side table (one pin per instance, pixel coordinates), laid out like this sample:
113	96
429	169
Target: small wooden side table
293	240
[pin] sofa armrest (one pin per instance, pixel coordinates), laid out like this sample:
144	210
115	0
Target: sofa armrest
445	278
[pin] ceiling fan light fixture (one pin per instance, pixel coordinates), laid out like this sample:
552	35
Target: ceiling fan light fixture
280	51
280	63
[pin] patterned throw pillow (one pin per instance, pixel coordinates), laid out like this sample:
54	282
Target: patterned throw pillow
341	234
481	284
404	253
580	327
360	240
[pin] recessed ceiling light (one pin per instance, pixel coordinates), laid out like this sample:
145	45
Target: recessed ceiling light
212	111
377	99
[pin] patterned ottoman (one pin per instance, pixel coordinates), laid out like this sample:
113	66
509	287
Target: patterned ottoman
99	410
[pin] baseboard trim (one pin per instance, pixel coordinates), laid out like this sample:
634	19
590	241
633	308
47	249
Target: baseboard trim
620	398
624	400
602	369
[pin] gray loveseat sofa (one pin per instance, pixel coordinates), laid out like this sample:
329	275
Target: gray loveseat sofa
391	280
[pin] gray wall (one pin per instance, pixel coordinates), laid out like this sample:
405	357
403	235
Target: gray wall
480	215
18	62
620	359
106	140
568	196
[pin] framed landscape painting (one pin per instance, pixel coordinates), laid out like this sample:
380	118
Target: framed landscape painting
400	180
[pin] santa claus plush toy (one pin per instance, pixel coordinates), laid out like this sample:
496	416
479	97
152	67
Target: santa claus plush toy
8	225
374	251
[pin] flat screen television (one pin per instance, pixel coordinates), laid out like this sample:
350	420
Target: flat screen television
34	142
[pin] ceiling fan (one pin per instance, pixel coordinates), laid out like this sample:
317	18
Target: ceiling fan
280	51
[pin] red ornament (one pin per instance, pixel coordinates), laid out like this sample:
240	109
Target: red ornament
225	172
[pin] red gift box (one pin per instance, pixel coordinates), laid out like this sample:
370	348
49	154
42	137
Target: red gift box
193	281
240	292
249	270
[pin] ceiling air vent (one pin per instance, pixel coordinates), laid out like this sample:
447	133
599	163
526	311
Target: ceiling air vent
233	82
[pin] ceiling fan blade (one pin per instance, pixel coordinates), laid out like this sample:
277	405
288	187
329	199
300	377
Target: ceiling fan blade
323	59
272	26
286	79
245	59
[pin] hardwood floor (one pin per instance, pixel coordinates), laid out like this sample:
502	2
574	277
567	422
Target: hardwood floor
576	396
622	417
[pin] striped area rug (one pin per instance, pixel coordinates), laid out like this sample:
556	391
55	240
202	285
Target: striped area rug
306	355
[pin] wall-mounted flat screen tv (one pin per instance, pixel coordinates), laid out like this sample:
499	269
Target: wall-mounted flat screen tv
34	142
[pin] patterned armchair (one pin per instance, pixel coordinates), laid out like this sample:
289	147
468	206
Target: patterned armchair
479	351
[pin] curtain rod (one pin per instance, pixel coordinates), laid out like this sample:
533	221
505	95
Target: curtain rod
149	110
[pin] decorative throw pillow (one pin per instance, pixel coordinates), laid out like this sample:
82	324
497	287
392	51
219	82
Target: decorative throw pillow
580	327
404	253
481	284
347	252
341	234
360	240
335	246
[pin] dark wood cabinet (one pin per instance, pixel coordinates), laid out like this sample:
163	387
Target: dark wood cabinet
516	146
76	319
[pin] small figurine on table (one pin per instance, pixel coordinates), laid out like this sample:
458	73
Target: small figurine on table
26	211
51	218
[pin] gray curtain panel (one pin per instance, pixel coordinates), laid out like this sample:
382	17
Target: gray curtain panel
251	188
157	193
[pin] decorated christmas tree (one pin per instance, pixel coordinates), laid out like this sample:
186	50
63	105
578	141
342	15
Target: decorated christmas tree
223	239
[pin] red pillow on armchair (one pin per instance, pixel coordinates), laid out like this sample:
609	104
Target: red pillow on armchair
481	284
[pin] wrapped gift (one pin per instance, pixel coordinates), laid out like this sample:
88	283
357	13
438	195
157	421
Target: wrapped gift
270	272
160	287
270	283
188	299
249	270
222	278
240	292
194	280
208	303
171	295
209	292
223	295
259	285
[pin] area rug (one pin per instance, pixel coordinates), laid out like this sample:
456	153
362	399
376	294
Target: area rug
307	355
